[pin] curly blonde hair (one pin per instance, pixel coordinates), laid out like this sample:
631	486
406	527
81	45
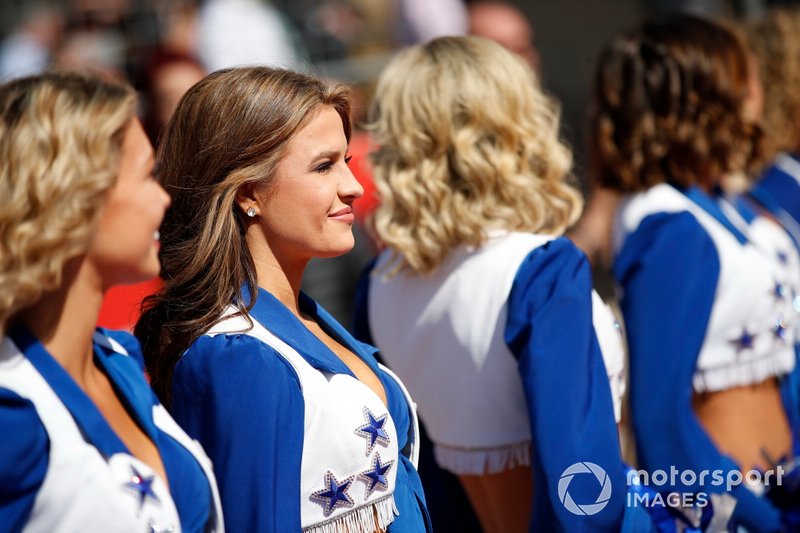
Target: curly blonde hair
467	143
775	41
60	138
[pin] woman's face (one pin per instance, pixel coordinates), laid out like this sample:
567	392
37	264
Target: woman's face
306	211
125	247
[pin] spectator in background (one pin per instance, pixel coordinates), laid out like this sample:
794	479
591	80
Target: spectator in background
245	32
505	24
168	76
423	20
29	48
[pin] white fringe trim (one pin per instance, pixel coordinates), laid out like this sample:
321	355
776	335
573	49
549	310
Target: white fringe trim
743	373
367	519
481	461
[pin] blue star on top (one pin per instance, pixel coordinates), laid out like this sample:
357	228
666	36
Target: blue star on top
780	291
780	330
373	430
334	494
745	341
376	476
141	485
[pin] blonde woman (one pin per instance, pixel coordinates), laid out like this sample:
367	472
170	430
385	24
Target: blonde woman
86	447
477	303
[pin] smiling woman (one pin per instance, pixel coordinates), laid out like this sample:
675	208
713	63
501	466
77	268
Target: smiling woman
307	431
85	445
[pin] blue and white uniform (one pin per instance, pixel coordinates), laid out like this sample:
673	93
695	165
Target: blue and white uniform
498	348
299	442
62	467
707	307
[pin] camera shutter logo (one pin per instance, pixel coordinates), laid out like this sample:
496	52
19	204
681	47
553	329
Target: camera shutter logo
586	508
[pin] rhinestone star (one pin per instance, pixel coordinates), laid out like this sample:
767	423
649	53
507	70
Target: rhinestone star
780	291
376	476
745	341
373	430
143	486
334	494
780	330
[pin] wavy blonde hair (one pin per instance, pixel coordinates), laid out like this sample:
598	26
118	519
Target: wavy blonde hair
60	138
775	41
467	142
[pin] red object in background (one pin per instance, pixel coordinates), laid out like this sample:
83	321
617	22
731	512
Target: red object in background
122	304
360	146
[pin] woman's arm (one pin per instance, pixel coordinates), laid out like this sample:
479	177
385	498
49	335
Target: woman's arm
242	401
549	329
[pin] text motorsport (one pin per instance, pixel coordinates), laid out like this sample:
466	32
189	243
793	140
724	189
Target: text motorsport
695	483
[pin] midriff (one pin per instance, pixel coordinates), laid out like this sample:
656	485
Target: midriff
747	423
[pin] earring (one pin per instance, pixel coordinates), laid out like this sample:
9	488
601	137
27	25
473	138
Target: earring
251	212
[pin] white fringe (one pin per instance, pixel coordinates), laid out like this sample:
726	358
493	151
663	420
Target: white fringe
361	520
481	461
744	373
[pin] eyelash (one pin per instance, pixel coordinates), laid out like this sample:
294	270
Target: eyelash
324	167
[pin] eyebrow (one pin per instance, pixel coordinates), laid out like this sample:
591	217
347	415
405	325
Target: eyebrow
328	154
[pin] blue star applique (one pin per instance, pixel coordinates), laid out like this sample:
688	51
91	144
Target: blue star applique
334	494
783	257
745	341
373	430
143	486
780	330
376	476
780	291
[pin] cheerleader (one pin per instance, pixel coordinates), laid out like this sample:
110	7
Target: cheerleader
306	430
86	445
479	305
705	297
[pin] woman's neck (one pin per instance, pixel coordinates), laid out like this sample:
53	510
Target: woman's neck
64	320
277	274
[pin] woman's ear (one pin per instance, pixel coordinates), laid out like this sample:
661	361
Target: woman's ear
247	201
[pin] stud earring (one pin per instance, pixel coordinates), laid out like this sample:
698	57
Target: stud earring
251	212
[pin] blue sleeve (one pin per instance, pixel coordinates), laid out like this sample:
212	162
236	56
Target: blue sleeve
23	459
242	401
668	271
549	329
781	190
361	329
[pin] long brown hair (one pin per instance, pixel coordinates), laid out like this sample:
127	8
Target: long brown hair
669	106
230	129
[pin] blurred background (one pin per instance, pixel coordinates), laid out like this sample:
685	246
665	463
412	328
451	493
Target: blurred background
163	47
